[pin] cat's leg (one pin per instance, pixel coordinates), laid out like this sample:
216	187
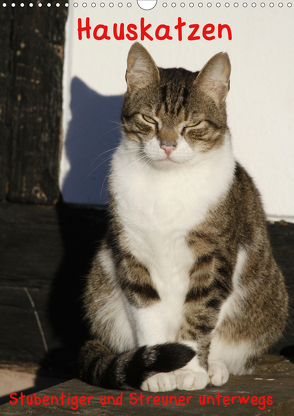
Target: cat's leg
106	310
152	328
193	376
232	349
149	315
218	372
200	314
160	382
247	325
227	356
196	375
196	330
210	288
214	297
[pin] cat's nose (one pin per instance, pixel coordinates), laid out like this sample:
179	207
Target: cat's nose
168	148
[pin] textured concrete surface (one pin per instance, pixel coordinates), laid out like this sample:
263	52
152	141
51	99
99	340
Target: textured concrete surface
24	377
269	391
14	381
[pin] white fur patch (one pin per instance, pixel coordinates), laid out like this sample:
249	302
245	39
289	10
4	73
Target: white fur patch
189	380
107	264
192	376
113	312
157	208
234	355
191	344
217	372
157	323
233	305
160	382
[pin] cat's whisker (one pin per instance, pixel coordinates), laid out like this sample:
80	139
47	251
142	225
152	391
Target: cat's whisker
143	157
101	154
109	131
106	178
106	160
111	121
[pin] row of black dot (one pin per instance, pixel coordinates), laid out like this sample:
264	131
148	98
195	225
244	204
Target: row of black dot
209	4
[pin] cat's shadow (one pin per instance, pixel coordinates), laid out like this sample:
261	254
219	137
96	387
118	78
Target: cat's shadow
92	134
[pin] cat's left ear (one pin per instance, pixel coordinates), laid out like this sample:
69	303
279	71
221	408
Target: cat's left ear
214	78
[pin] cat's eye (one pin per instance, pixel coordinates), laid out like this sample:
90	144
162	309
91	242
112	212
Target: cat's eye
193	124
149	119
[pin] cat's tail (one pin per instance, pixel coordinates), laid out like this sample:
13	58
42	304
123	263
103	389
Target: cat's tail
98	366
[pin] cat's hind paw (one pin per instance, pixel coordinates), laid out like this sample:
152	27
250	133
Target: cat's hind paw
160	382
189	380
217	372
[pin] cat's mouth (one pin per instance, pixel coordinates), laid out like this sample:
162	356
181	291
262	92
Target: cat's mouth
166	162
163	155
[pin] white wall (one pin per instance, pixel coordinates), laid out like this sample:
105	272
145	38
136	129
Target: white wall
260	103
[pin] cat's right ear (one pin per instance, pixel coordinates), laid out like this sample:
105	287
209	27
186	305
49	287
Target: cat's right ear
214	78
141	69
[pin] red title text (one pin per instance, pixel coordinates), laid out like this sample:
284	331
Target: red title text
144	31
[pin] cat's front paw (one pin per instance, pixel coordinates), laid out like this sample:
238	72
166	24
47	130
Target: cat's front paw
190	380
217	372
160	382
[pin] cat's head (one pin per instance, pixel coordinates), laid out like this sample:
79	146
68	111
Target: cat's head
173	114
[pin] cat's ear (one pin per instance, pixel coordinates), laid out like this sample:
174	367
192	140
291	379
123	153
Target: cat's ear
141	69
214	78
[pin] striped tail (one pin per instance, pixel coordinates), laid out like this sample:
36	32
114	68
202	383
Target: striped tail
99	367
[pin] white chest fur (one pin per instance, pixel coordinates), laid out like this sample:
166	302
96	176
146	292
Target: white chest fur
158	207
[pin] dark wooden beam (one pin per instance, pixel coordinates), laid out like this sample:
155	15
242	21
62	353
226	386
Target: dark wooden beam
33	41
6	85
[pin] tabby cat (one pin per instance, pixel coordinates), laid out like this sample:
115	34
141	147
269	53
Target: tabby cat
184	289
